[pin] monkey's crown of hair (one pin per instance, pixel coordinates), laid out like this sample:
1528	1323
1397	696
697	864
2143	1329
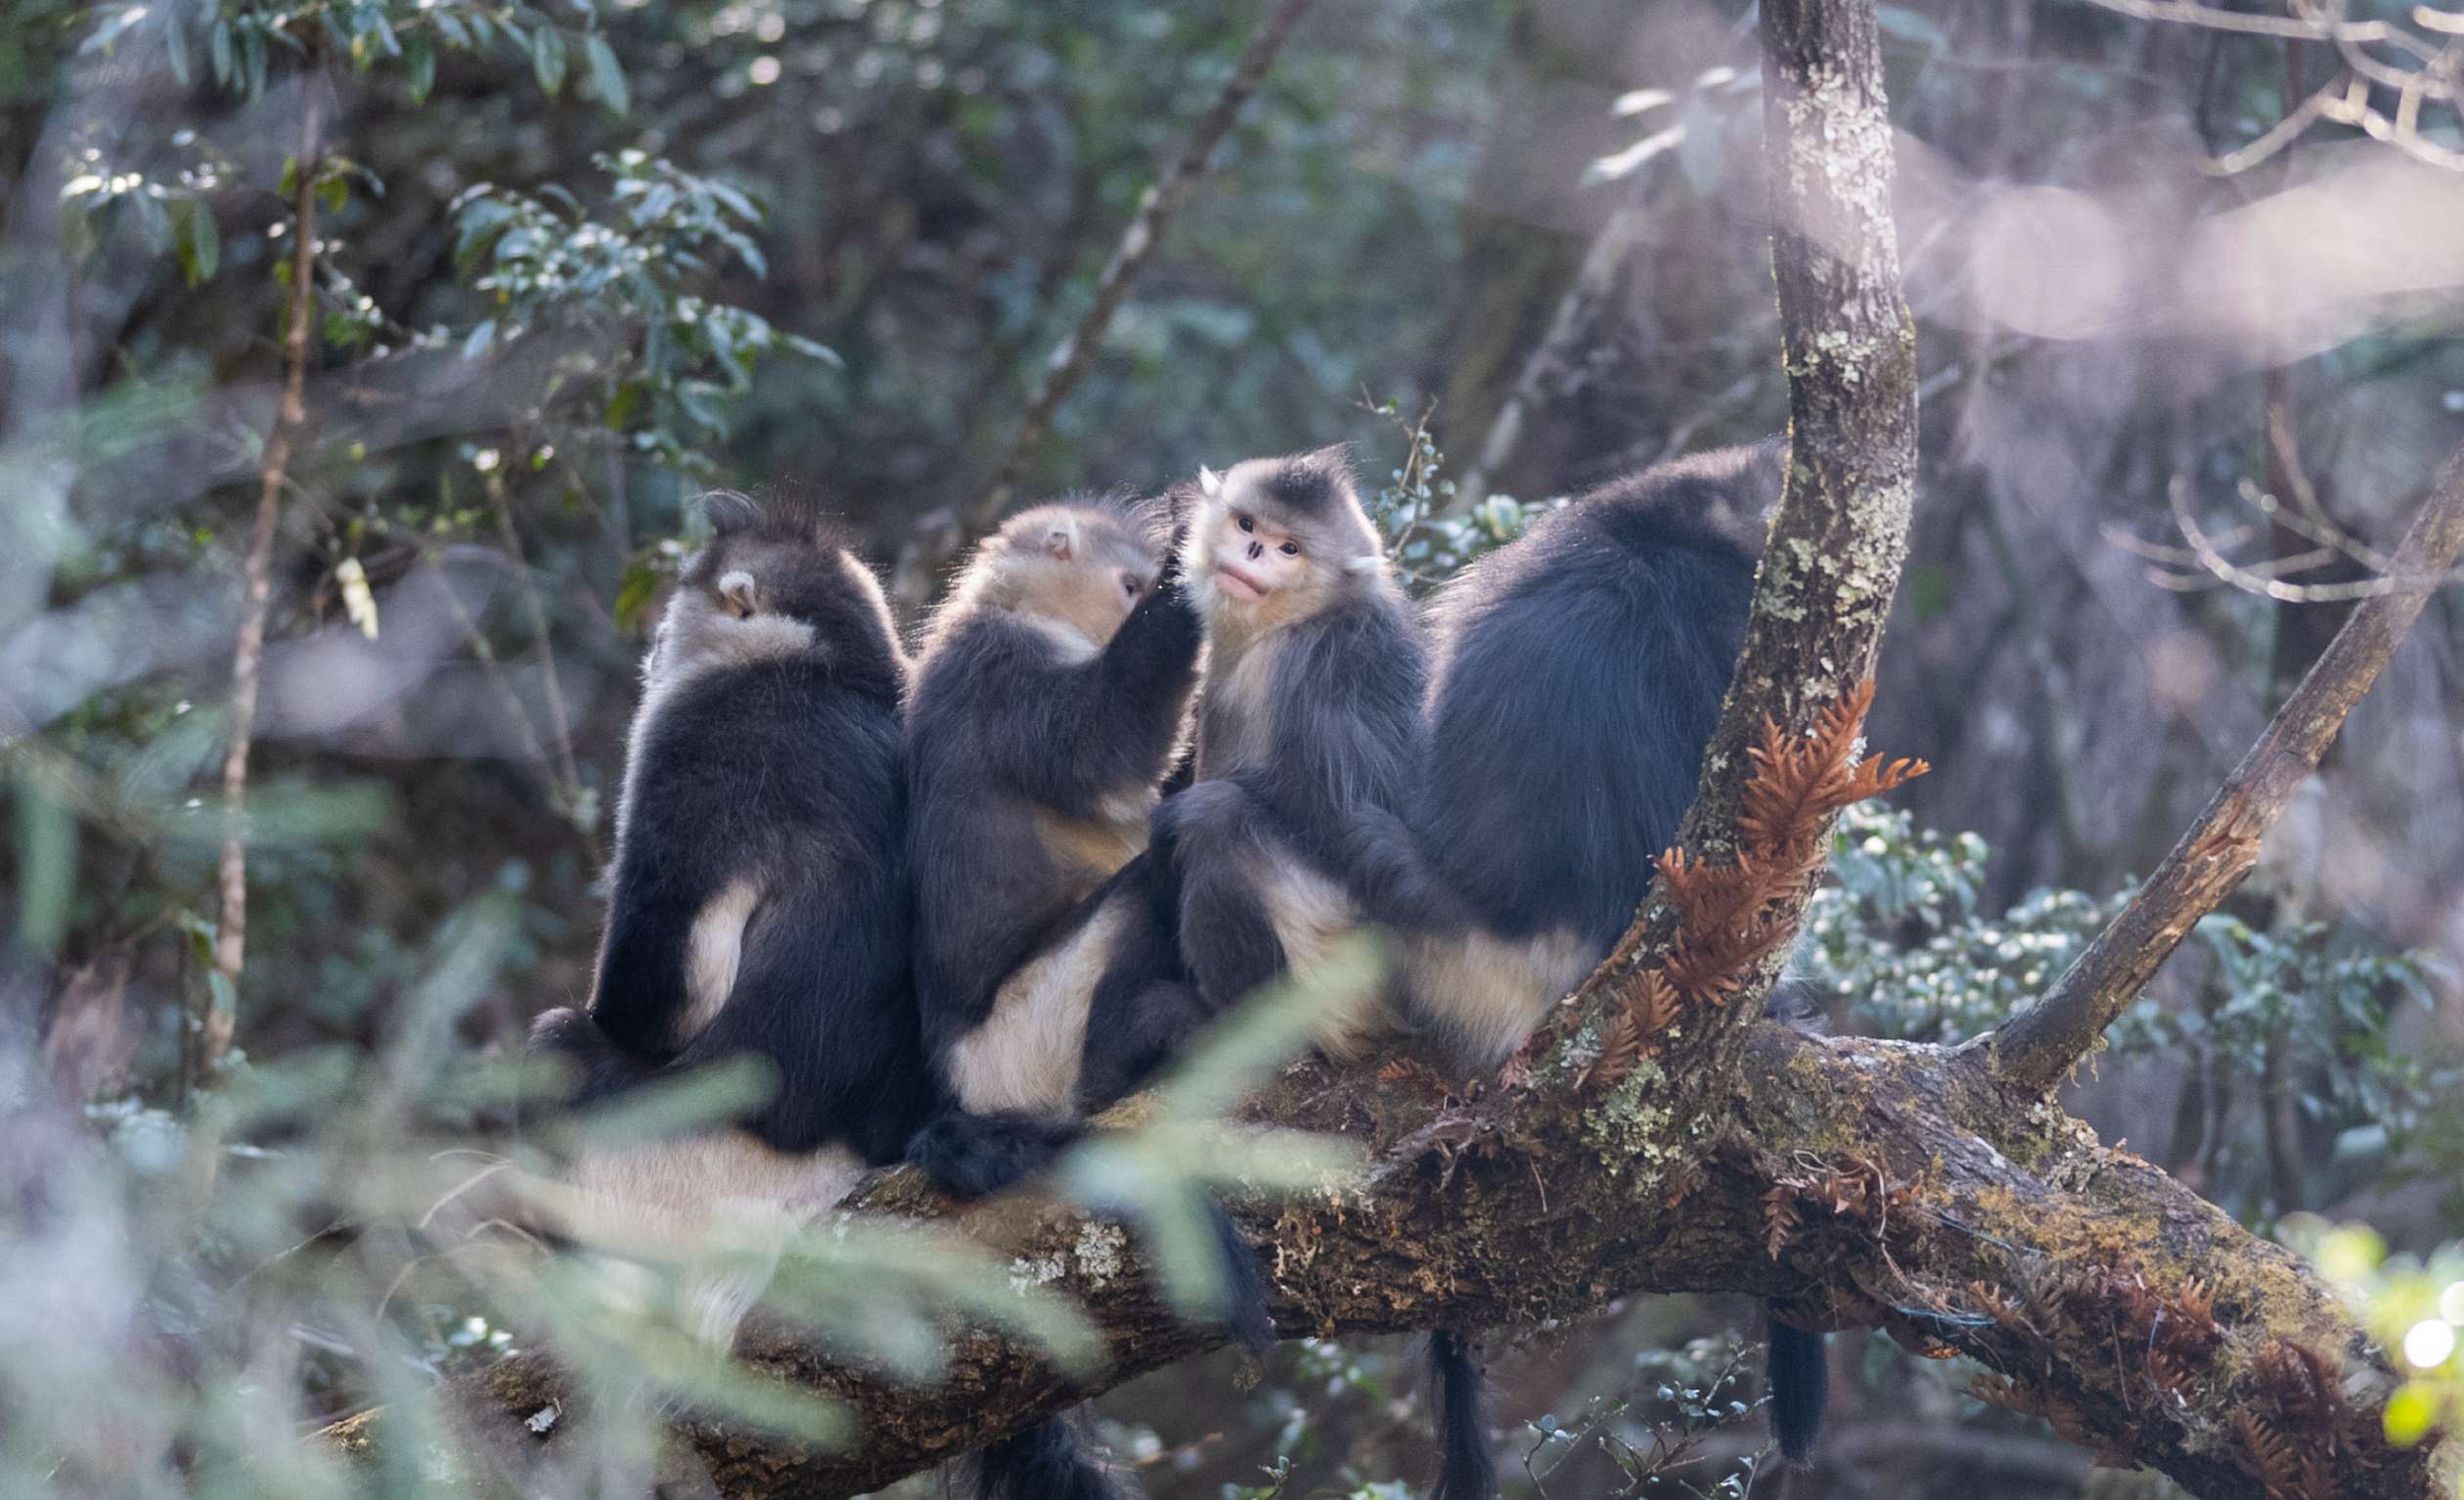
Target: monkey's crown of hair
780	513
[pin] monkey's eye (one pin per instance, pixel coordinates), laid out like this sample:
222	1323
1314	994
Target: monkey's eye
1246	524
1129	584
1290	549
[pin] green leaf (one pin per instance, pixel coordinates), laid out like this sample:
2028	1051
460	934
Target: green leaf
175	47
218	48
419	54
200	243
634	594
622	405
334	189
46	869
607	79
547	58
479	337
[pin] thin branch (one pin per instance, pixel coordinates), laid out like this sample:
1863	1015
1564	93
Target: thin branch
941	537
2266	578
569	774
2190	13
231	930
2040	1045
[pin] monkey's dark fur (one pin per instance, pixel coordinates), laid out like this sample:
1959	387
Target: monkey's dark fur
1049	704
1042	721
759	901
1582	667
1310	719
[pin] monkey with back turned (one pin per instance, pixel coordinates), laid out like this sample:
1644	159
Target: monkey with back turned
1584	666
759	901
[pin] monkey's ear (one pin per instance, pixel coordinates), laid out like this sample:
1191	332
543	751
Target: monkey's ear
730	511
1365	563
1061	542
736	588
1210	484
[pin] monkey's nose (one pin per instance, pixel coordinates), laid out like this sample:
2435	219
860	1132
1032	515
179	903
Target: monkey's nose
1257	550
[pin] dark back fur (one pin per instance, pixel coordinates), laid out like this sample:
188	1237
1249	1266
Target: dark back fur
793	767
1579	675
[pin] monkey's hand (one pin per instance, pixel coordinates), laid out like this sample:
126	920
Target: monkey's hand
1169	576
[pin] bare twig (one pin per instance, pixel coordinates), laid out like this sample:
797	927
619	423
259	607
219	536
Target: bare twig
2040	1045
569	775
940	537
2436	73
231	930
2190	13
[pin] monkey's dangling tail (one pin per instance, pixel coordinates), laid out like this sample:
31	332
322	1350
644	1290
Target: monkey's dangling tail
1467	1469
1046	1462
1799	1377
975	1156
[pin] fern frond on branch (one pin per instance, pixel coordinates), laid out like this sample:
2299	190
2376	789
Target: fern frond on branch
1733	917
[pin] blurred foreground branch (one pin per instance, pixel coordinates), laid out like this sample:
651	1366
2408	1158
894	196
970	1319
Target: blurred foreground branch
943	535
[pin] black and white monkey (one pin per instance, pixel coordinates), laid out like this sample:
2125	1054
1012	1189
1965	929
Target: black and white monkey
1584	666
759	902
1051	701
1311	720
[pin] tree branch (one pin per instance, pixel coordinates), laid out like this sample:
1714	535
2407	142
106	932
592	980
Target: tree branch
231	928
1863	1180
1839	536
942	536
2040	1045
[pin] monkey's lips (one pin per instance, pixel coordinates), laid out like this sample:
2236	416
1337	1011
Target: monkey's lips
1240	585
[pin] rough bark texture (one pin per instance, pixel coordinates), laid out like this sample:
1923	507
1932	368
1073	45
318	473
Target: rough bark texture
1864	1182
2042	1043
1859	1183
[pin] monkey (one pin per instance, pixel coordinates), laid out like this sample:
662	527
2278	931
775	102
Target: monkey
1583	666
1052	697
1311	716
759	903
1051	701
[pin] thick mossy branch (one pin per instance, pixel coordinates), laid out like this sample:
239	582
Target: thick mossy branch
2042	1044
1862	1183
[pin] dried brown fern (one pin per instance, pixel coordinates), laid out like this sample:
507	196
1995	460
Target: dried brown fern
1733	917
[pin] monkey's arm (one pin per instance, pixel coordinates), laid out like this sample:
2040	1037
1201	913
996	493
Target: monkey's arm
639	997
1076	734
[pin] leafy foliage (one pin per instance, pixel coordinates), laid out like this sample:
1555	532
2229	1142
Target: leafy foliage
543	265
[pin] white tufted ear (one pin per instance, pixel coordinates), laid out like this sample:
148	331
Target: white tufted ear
1210	484
1365	563
736	588
1061	542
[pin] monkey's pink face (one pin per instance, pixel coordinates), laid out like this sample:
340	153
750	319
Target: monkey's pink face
1253	557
